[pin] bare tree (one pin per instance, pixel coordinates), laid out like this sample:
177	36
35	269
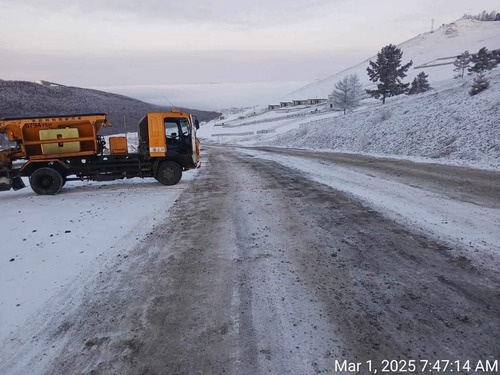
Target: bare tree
347	93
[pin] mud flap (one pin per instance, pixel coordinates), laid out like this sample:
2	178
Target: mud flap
18	183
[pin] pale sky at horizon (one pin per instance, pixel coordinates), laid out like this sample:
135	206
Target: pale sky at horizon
124	42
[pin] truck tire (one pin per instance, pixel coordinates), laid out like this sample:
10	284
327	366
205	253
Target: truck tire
46	181
168	173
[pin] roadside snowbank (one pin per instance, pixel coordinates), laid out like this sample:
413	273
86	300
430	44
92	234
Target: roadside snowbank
50	242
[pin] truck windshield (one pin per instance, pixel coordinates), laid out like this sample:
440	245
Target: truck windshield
171	128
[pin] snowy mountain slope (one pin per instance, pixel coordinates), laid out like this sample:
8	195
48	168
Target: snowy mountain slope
444	125
449	40
21	98
447	125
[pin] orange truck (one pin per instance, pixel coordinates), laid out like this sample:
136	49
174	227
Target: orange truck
51	150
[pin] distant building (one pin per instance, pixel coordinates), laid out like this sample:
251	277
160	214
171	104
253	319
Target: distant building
297	102
301	102
316	101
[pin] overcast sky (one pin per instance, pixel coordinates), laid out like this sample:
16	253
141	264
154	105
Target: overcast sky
125	42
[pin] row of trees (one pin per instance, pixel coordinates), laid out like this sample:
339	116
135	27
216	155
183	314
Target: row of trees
484	16
479	62
387	72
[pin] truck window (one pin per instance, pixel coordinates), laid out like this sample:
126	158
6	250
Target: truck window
171	128
184	126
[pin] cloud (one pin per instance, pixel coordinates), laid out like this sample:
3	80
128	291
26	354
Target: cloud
113	42
256	12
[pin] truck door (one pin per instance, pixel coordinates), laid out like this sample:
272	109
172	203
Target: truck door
178	134
156	136
195	146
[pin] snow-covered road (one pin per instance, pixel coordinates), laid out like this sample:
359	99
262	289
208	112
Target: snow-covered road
453	205
262	267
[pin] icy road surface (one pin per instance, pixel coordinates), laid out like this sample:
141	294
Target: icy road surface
260	268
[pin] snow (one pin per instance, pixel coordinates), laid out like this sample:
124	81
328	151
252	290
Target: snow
50	242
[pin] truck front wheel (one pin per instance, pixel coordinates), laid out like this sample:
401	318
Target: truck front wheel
169	173
46	181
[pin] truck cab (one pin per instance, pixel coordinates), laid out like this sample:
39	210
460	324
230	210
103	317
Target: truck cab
170	135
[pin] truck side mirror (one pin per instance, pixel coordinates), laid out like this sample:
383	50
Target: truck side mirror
196	124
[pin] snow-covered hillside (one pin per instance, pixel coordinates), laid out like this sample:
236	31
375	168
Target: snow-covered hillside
447	41
444	125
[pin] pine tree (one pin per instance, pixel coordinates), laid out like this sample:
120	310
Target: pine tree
483	61
388	72
419	84
461	63
479	84
347	93
496	56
